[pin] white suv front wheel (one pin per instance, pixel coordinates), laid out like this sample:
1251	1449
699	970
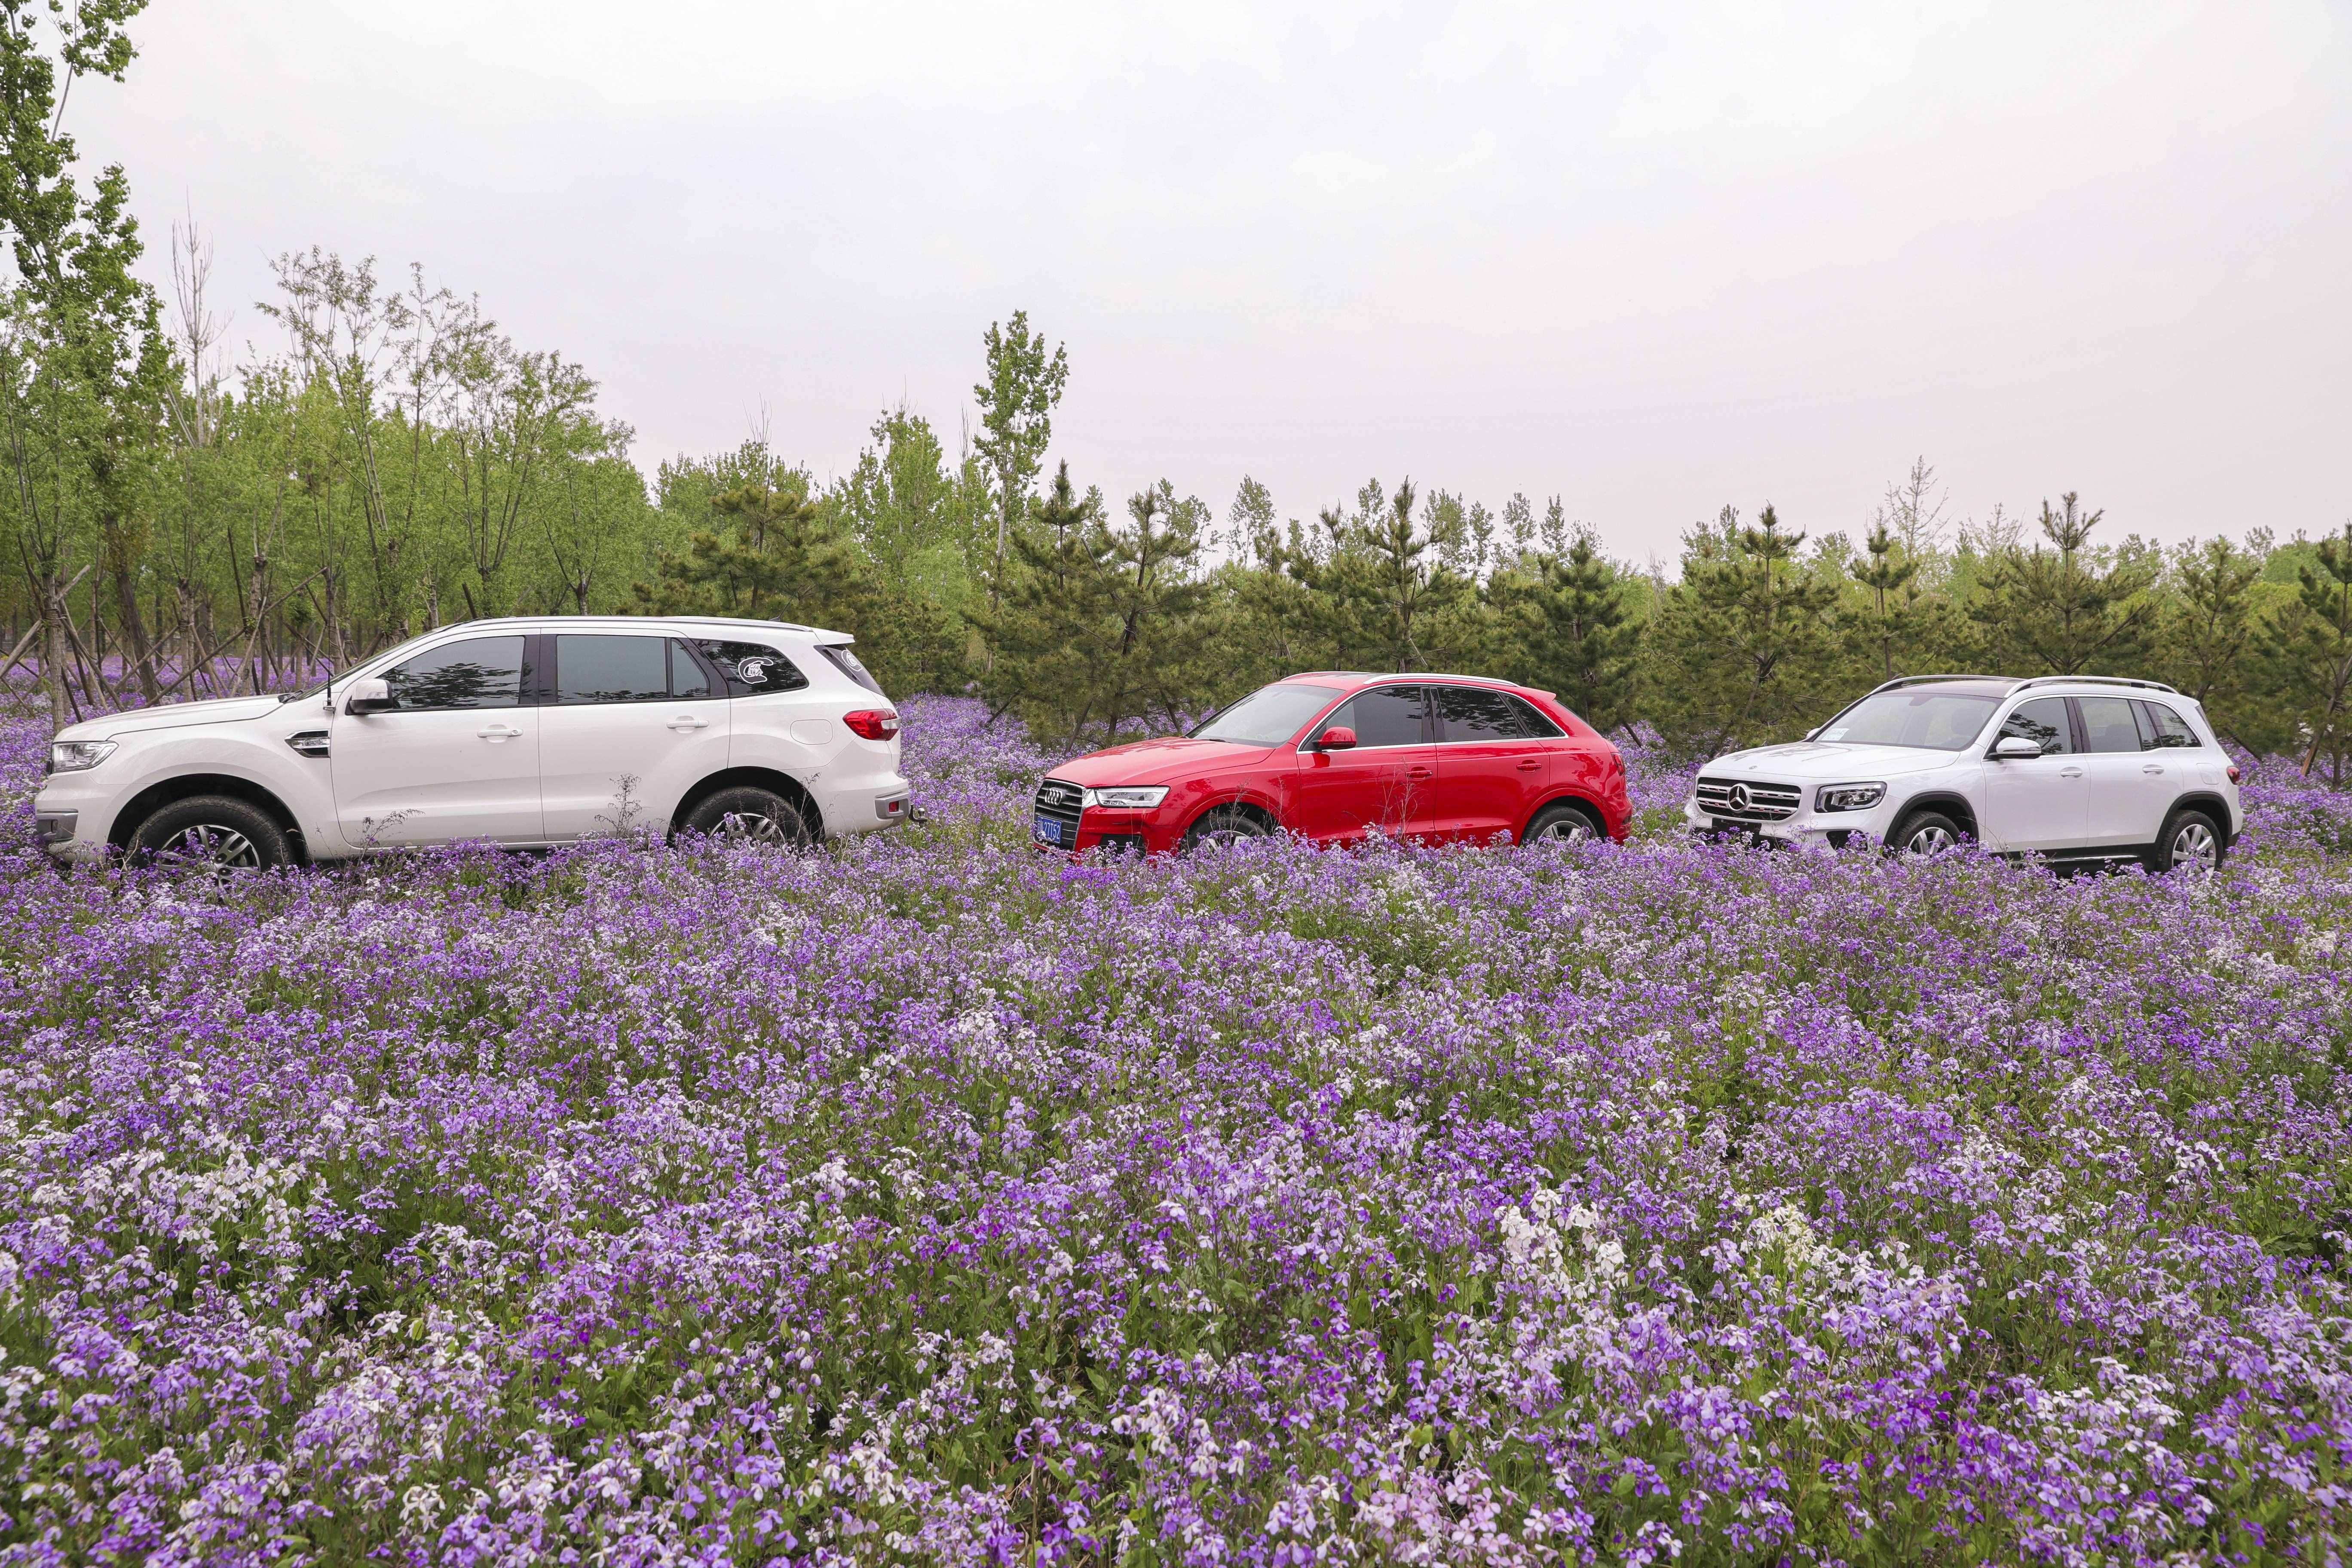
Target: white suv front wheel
210	835
1925	833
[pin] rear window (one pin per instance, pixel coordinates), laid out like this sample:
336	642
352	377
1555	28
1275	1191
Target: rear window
847	663
753	669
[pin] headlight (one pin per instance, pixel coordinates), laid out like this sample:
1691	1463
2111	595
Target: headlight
1849	797
1127	798
72	756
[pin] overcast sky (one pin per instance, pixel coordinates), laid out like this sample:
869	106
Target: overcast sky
1652	257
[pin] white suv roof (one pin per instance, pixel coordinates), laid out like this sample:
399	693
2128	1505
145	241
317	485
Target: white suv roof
742	622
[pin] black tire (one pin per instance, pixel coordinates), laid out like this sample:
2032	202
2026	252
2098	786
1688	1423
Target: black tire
1925	833
749	815
211	836
1224	825
1562	822
2191	842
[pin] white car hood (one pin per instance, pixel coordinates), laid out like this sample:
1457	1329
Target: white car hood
172	716
1821	761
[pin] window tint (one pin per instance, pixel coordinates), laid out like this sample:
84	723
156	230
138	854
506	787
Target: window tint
1533	721
1467	713
753	670
611	670
1385	716
687	676
847	663
2109	724
2171	729
2043	722
1266	717
481	672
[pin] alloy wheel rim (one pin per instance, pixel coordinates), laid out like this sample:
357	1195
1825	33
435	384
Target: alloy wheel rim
751	827
1567	830
1929	840
211	848
2193	846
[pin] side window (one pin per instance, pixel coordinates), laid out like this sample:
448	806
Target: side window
687	676
611	670
2109	724
753	670
1385	716
481	672
2171	729
1466	713
1533	721
2042	721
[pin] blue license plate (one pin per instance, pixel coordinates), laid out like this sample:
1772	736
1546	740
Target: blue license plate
1049	830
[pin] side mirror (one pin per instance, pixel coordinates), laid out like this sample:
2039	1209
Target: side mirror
1338	738
373	695
2015	748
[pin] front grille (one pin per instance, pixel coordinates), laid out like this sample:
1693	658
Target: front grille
1745	800
1058	801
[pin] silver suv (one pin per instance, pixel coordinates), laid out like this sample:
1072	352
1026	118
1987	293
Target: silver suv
2075	767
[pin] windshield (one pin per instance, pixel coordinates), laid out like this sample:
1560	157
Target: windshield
1931	720
1266	717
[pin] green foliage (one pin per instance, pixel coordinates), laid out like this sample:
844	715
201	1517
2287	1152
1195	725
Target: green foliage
777	554
1016	419
2311	654
1567	616
1101	625
1386	592
1747	636
2067	609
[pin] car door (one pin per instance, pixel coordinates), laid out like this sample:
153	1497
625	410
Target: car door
455	757
2036	803
631	721
1382	784
2125	792
1490	772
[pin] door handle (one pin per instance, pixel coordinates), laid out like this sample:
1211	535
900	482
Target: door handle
2151	767
2070	772
1418	772
1529	764
688	722
497	732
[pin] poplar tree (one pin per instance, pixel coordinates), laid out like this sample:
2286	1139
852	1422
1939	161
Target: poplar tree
1016	423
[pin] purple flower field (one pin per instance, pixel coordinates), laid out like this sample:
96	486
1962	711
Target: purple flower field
924	1199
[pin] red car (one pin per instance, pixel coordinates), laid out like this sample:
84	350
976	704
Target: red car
1335	757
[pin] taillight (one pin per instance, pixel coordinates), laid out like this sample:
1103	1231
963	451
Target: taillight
873	723
2234	773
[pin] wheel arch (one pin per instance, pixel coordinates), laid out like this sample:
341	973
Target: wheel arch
1957	807
1255	805
2211	804
782	783
1584	803
187	786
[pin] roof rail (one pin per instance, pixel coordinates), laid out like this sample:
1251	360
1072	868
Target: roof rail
1917	680
2097	680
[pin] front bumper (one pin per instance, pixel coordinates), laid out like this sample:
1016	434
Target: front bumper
1805	830
1100	828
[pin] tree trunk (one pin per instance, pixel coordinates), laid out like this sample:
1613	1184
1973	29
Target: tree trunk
134	625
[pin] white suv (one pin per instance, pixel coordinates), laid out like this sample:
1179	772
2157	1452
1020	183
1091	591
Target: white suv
524	732
2082	767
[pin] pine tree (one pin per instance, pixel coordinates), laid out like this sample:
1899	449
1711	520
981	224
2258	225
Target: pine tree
2062	609
1744	641
2311	651
2211	633
1574	632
